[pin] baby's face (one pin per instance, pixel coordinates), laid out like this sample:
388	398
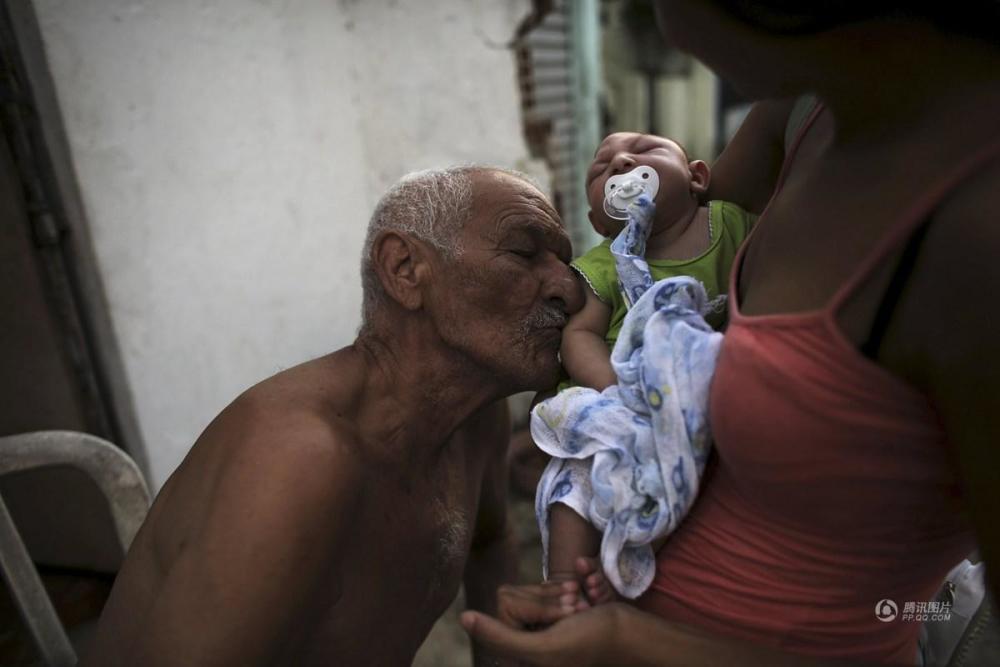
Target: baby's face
624	151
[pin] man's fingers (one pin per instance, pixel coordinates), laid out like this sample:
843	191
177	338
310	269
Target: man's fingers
500	638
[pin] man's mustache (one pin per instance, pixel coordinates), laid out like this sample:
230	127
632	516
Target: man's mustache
546	317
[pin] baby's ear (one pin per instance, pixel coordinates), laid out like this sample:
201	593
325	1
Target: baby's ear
597	224
700	176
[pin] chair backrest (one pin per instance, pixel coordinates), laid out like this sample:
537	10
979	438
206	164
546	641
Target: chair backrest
118	478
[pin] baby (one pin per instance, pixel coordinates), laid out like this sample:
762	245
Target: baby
686	238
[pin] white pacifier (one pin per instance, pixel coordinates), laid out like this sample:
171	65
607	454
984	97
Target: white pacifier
622	190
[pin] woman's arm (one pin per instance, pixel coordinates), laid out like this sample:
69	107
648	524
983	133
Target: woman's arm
612	634
944	337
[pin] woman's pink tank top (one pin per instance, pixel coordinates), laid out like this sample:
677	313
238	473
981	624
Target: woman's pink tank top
832	488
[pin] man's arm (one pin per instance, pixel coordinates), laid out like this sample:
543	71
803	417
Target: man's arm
272	529
493	556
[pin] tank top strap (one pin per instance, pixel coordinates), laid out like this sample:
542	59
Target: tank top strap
800	112
912	221
798	128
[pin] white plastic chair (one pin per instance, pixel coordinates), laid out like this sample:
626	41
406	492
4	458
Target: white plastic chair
122	485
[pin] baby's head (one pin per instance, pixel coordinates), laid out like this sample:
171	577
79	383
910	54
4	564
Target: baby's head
681	181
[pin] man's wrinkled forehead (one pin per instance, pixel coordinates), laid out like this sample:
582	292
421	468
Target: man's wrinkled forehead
512	204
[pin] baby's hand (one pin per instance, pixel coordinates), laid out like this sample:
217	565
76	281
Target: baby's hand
597	589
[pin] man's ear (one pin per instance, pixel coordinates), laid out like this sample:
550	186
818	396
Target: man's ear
700	177
400	262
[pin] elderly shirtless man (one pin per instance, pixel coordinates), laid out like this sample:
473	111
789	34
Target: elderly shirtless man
329	513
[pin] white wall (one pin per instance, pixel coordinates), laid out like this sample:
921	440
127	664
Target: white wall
229	153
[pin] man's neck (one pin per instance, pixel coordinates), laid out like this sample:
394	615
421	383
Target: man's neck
415	395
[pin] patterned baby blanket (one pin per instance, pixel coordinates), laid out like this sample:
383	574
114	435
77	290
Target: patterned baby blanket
629	459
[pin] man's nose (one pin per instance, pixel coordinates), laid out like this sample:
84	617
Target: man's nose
622	162
563	290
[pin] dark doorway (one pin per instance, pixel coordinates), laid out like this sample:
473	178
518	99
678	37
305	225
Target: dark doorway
59	364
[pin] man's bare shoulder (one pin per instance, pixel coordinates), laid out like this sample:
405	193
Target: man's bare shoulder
251	534
291	433
326	387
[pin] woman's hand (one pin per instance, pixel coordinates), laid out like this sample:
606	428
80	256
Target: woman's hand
575	638
610	634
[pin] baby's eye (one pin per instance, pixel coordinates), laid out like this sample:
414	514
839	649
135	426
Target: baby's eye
523	252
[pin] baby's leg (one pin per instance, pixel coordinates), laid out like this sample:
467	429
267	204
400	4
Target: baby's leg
573	545
570	537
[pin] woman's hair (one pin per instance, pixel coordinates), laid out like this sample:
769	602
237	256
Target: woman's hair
972	18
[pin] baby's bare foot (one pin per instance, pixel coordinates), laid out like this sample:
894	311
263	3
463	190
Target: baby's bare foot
572	590
596	587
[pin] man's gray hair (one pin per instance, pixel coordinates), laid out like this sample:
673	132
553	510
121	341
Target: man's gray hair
432	205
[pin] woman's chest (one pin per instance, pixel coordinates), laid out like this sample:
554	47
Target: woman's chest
831	237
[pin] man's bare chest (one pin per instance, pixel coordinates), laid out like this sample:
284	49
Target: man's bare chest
414	536
431	530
